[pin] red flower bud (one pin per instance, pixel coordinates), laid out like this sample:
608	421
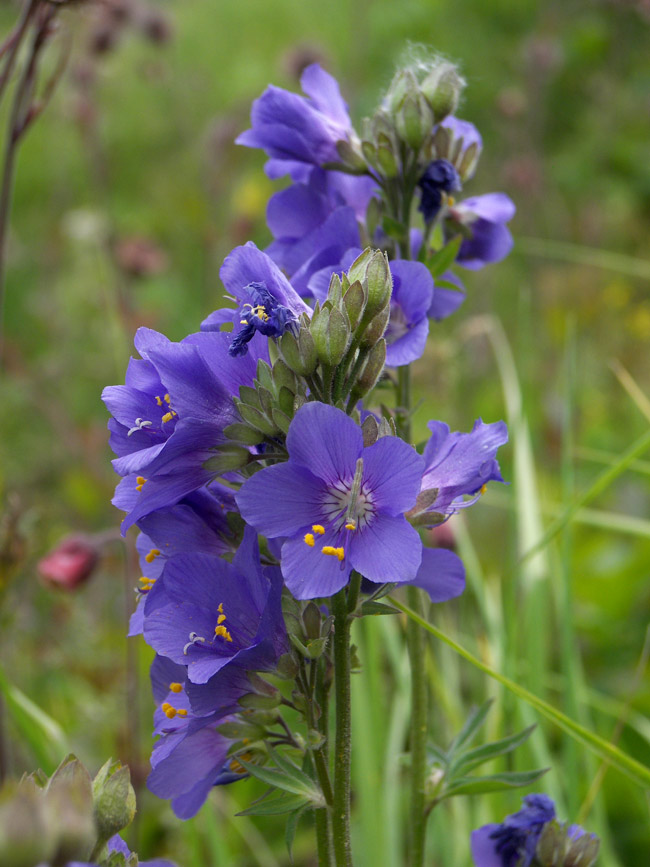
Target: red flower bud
70	563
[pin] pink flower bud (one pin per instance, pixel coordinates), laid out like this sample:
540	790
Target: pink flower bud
70	563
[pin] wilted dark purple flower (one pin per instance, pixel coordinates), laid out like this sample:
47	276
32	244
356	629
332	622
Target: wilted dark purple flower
460	464
340	505
298	132
439	177
206	613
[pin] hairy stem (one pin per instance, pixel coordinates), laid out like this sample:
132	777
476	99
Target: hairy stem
342	755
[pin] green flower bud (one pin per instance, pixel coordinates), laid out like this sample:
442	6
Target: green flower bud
414	120
232	457
299	352
260	702
378	283
372	369
114	800
350	157
331	332
27	837
583	851
376	328
354	302
442	88
242	433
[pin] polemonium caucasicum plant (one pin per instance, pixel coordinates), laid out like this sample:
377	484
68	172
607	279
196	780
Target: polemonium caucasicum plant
278	497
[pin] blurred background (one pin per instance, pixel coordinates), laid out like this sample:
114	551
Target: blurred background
128	194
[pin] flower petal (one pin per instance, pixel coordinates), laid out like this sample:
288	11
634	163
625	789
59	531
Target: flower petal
325	441
392	470
280	500
441	574
387	550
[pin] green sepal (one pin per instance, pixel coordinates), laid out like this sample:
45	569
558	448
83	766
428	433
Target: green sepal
444	258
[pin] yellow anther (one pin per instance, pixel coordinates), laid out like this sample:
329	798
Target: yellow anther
309	539
222	632
350	525
175	687
170	713
140	481
144	580
158	400
236	767
168	416
243	321
245	741
151	556
220	608
451	201
318	528
483	489
221	618
165	706
181	711
167	399
334	552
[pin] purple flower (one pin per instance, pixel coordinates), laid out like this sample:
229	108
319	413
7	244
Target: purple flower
188	758
441	574
439	177
170	415
316	222
445	301
514	843
485	218
117	845
339	506
459	464
206	614
298	132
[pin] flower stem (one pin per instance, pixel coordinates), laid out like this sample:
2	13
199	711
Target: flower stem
416	650
341	810
322	817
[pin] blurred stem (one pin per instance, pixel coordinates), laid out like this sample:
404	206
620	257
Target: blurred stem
416	649
342	754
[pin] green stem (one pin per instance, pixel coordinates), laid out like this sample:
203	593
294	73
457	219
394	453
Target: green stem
419	713
419	696
322	818
341	811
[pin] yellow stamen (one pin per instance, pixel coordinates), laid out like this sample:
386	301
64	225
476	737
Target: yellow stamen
243	321
221	618
451	201
181	712
158	400
483	489
220	608
351	526
165	706
318	528
167	399
168	416
334	552
309	539
222	632
170	713
144	580
140	481
151	556
236	768
176	687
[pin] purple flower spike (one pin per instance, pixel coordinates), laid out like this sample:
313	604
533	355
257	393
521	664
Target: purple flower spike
207	613
339	505
299	132
485	216
459	464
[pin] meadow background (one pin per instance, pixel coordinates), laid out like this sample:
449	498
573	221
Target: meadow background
129	193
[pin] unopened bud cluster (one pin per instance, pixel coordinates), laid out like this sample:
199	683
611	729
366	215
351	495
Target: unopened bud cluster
336	356
559	847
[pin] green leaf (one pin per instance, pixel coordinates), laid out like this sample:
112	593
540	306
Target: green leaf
495	783
444	258
281	780
470	729
43	734
290	831
393	228
447	284
275	805
473	758
605	750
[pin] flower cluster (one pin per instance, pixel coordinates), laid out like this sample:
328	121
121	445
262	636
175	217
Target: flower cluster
252	462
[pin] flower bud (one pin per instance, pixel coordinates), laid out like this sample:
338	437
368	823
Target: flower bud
69	563
376	280
414	120
299	352
583	851
372	370
351	158
376	328
442	88
113	798
232	457
331	332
